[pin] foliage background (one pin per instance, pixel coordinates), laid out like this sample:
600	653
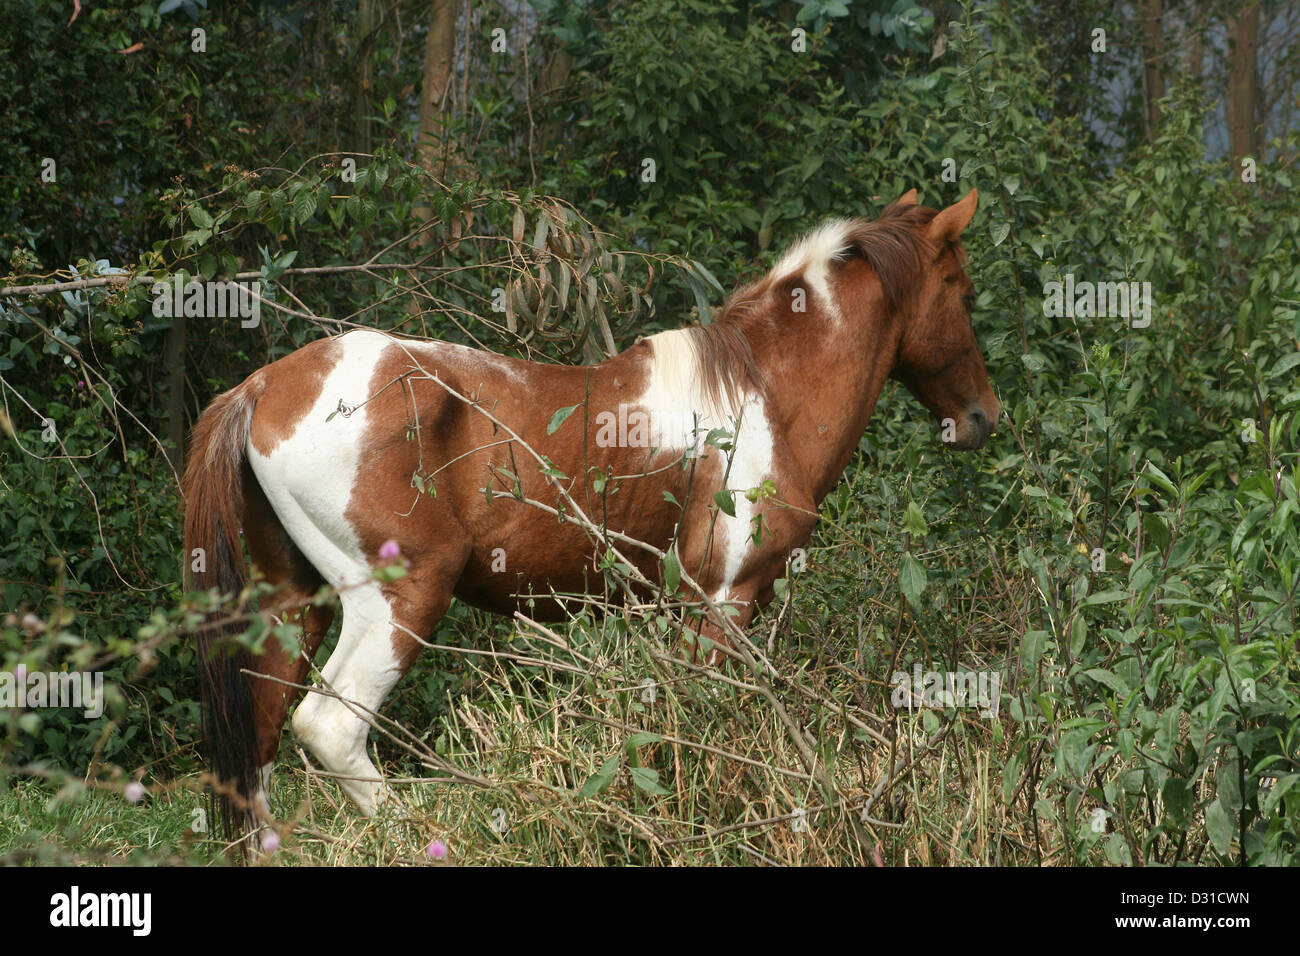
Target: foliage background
1158	687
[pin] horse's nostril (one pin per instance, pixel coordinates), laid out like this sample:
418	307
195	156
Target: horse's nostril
978	418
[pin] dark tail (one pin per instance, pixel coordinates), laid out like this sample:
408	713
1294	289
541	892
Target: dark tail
214	506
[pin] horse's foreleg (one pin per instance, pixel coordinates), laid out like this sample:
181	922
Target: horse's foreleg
712	629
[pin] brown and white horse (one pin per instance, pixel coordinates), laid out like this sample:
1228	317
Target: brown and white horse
314	457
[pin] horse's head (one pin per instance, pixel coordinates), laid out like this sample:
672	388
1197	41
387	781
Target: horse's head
938	358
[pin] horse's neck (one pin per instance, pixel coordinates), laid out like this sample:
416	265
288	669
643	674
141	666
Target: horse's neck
824	379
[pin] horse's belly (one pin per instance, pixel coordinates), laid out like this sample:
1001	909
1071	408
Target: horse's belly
525	556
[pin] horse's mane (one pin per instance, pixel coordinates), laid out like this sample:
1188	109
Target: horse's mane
893	245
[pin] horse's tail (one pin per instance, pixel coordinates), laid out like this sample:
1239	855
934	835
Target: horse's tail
214	556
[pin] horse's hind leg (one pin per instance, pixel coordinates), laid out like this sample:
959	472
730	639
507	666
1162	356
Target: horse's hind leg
377	646
282	565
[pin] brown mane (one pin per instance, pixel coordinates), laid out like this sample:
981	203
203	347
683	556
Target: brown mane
727	366
893	245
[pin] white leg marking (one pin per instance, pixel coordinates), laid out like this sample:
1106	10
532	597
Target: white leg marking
362	670
262	806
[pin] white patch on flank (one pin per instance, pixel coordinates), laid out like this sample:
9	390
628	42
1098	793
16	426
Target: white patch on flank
812	255
309	478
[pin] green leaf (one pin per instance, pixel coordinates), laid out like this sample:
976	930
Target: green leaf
1157	531
1178	799
1104	597
999	232
1160	479
1220	825
725	501
1032	648
561	415
911	578
1117	851
599	782
914	520
1278	791
701	293
708	277
1103	676
672	571
641	738
304	206
647	779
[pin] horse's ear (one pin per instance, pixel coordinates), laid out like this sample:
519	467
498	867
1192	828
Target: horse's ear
907	199
949	223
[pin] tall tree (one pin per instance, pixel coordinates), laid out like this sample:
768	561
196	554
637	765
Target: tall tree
363	89
434	149
1153	69
1243	112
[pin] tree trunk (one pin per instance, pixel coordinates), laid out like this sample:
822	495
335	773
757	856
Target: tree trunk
434	149
1194	31
363	90
1153	63
174	410
435	93
551	83
1243	84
